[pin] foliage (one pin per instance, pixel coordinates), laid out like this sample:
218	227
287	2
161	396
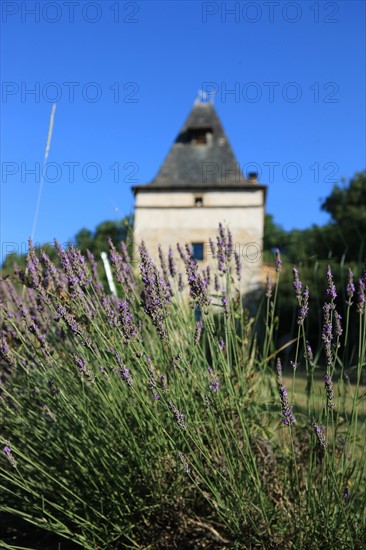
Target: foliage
96	241
158	418
343	239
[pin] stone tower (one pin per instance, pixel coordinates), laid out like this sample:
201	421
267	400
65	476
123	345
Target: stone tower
200	184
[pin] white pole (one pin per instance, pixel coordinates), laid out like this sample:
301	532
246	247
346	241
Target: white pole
108	272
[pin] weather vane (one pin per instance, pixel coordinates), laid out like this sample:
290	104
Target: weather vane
205	97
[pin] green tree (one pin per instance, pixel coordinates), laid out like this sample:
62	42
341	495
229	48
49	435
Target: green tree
97	241
347	206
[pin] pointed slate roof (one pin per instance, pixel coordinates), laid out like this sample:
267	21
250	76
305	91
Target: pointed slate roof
201	157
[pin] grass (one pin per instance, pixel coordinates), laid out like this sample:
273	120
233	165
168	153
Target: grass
155	420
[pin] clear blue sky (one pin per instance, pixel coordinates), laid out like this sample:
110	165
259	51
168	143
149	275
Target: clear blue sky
124	76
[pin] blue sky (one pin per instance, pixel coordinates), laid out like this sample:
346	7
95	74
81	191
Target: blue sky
124	76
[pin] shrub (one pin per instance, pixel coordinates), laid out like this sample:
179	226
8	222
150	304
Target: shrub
155	418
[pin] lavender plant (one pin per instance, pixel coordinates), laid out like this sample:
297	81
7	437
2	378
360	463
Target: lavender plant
127	416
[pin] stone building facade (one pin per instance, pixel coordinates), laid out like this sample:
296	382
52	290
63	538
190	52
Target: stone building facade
199	185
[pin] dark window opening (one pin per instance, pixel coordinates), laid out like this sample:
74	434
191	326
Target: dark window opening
197	251
199	135
198	201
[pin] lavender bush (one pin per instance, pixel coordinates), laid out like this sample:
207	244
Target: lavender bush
154	418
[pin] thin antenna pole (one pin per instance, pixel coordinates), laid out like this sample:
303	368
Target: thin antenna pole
48	144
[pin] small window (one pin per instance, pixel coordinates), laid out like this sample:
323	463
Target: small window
198	201
197	251
199	136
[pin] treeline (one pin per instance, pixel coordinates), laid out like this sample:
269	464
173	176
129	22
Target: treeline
342	240
340	243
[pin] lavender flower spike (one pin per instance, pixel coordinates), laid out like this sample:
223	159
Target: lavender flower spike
156	295
269	286
9	454
304	308
330	392
198	331
288	416
297	284
350	288
179	417
361	296
337	323
198	287
327	335
238	265
331	290
309	353
278	261
319	432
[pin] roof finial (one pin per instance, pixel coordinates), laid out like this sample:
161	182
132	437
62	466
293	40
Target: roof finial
205	97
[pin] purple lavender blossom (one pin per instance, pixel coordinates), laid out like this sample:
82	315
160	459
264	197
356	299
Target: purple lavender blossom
54	277
7	450
350	288
212	247
72	280
155	296
110	311
278	261
304	307
329	390
222	249
129	329
214	385
183	461
198	331
179	417
35	274
361	296
125	373
122	266
327	335
238	265
338	330
180	282
33	327
225	304
331	290
63	313
287	414
214	382
164	269
346	495
78	266
82	368
181	252
198	288
208	275
221	344
153	379
5	353
269	287
216	283
99	288
297	284
309	353
320	435
171	263
229	244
